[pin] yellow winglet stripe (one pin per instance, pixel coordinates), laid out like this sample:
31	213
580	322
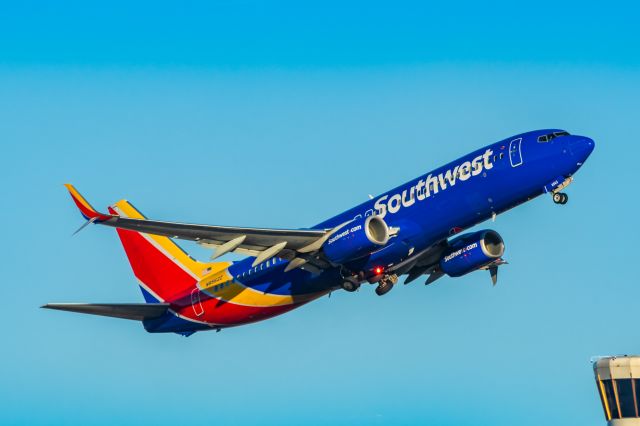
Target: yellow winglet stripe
78	196
83	205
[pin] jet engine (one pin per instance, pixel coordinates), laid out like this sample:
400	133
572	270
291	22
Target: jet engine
470	252
356	239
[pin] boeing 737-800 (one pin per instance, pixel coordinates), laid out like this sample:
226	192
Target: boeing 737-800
414	230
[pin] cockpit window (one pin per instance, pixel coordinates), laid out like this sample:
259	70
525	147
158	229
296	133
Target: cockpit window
551	136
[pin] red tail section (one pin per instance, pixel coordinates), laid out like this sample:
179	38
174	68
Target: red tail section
164	270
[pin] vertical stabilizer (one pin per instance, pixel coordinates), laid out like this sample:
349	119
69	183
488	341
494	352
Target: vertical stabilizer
165	271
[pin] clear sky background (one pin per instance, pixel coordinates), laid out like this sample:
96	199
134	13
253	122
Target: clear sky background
281	114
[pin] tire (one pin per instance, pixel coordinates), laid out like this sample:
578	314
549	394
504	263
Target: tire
383	288
558	197
350	286
565	198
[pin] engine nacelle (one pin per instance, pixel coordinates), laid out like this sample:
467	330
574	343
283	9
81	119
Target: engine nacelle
470	252
356	239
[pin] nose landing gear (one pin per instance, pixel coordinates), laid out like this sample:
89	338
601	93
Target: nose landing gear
555	188
560	198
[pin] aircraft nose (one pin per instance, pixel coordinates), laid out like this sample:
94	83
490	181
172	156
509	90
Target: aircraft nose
581	147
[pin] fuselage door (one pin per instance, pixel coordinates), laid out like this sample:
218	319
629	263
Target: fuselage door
195	302
515	152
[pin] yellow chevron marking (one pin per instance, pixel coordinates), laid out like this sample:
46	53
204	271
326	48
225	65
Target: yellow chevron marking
215	278
199	269
228	290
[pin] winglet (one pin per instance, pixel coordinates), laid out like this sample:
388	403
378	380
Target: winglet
86	209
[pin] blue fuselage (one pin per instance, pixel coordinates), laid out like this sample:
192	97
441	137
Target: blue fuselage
439	204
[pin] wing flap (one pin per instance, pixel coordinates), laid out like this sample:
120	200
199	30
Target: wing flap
132	311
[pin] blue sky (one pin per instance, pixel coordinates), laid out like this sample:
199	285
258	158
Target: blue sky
278	114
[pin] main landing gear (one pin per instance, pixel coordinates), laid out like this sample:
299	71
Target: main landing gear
386	284
350	285
560	198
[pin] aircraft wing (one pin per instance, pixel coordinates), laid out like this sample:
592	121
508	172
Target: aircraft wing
296	245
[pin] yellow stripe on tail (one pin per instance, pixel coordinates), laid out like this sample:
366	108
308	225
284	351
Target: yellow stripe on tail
170	248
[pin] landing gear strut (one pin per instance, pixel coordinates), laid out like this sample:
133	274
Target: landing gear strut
560	198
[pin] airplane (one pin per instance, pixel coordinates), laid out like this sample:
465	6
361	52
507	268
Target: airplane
414	229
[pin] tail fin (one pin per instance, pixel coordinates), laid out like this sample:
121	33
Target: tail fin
164	270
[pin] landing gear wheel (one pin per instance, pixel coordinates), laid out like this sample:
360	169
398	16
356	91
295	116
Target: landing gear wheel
558	197
383	287
350	286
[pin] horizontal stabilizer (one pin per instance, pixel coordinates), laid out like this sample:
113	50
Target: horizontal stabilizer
132	311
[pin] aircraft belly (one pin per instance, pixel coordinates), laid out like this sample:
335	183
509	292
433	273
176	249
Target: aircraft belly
226	314
238	303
